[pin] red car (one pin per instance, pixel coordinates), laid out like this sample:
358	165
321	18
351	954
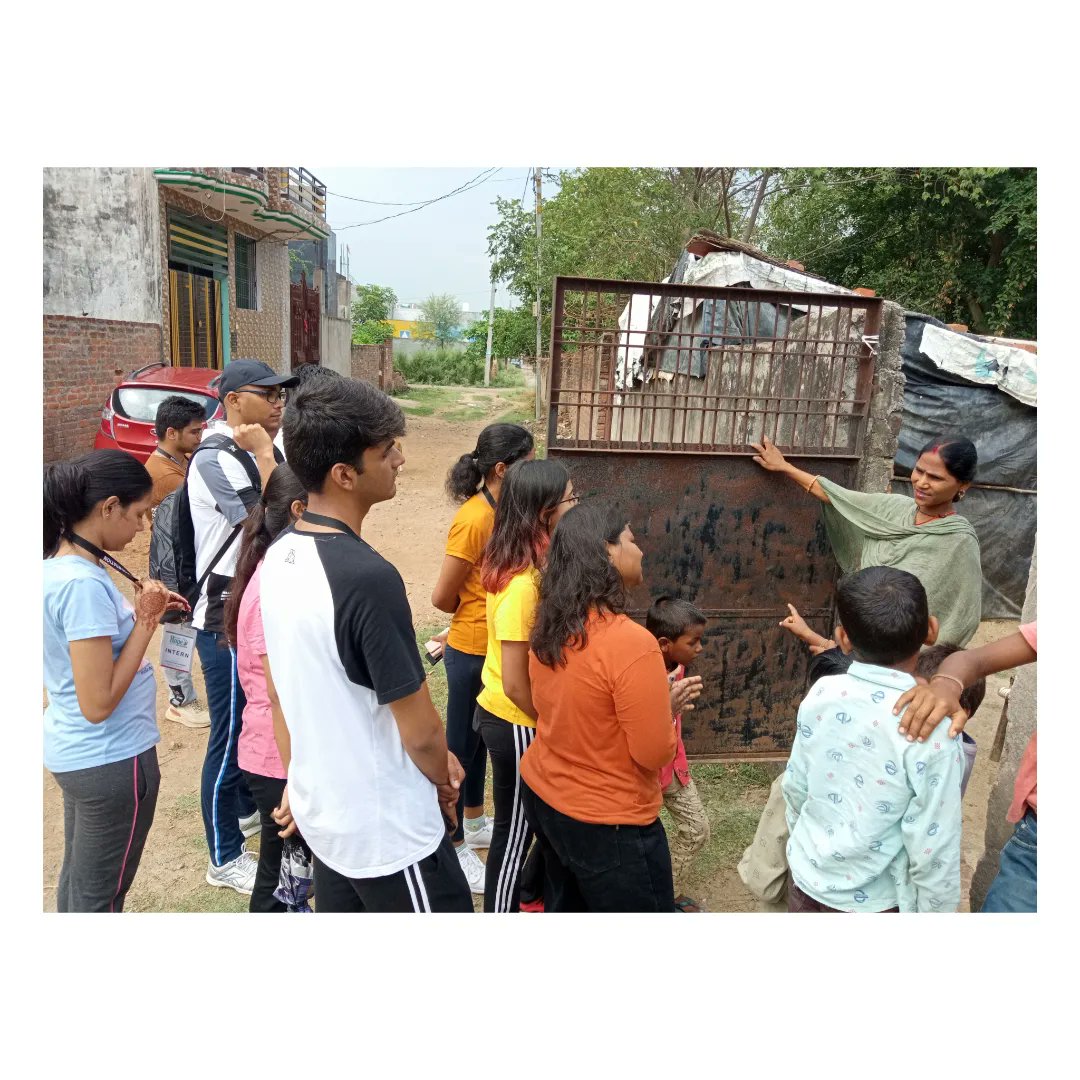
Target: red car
127	420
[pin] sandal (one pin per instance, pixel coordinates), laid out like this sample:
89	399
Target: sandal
685	903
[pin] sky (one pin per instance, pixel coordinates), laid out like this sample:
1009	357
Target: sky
441	248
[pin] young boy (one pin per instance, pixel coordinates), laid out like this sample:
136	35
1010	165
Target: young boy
678	627
874	819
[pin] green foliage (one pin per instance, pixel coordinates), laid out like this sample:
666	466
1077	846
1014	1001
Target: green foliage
371	333
958	244
440	316
619	223
513	334
373	303
373	306
443	366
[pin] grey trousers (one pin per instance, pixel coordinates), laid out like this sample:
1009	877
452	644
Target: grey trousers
108	811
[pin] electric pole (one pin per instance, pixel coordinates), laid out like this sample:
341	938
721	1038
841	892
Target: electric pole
539	310
491	327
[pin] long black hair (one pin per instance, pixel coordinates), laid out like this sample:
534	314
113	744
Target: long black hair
497	443
579	579
74	488
519	538
958	455
271	516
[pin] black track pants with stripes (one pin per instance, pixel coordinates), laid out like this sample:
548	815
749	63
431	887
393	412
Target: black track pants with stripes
512	834
434	884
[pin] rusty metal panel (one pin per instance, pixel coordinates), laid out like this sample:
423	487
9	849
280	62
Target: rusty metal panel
684	368
741	544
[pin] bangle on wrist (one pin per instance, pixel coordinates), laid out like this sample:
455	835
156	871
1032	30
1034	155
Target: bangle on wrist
813	481
951	678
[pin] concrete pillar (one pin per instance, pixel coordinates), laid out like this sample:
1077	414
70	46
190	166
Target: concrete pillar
886	405
1021	727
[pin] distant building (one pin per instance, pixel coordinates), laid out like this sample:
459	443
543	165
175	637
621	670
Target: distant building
408	316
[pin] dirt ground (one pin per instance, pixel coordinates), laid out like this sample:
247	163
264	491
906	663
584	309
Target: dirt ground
411	530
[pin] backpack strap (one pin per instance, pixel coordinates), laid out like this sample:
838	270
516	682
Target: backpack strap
196	590
222	441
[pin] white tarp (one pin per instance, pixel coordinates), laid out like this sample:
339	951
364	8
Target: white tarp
1015	371
719	268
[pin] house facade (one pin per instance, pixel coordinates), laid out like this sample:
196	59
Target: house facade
182	266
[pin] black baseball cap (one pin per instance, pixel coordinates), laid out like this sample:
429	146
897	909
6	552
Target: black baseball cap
241	372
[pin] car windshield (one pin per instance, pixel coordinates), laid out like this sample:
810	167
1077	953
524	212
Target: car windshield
141	402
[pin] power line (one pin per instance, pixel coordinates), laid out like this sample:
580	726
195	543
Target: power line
476	181
420	202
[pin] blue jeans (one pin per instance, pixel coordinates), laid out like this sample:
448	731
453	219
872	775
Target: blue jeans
1016	885
463	686
225	795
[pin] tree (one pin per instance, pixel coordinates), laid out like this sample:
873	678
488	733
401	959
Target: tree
371	311
958	244
513	333
623	223
440	317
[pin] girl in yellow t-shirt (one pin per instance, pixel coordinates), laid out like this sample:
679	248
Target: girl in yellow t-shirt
535	495
475	481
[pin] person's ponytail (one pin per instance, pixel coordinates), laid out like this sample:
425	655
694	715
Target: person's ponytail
64	496
498	443
464	479
73	488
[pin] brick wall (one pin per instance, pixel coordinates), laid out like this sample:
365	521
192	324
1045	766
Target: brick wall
82	357
367	360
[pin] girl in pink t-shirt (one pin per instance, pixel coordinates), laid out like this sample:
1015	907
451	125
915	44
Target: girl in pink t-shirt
283	501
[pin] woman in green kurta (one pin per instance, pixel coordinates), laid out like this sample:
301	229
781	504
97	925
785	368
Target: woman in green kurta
923	535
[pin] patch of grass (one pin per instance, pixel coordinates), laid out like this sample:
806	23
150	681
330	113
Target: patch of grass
466	414
187	803
206	898
733	796
436	676
413	409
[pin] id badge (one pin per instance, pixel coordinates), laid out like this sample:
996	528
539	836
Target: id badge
177	648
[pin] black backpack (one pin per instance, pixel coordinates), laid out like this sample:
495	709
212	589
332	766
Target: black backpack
172	536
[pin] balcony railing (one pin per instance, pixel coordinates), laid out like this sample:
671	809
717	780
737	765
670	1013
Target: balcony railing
301	187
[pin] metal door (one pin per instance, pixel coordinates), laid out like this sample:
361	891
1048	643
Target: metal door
304	323
656	392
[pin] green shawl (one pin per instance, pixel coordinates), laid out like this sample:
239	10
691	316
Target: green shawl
880	530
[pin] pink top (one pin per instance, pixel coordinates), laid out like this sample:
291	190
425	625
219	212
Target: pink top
257	751
679	767
1025	790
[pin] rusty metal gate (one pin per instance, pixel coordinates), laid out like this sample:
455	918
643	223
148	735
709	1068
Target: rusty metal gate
657	390
304	323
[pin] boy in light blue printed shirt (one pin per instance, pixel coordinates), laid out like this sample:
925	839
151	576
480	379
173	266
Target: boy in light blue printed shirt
874	819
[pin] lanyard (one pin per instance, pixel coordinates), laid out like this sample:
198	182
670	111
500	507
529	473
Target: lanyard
104	557
329	522
166	454
487	495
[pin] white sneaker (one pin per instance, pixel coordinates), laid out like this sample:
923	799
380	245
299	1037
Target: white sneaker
192	715
249	826
238	874
479	838
473	867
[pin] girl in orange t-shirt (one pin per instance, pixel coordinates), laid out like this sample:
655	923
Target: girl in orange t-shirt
475	481
591	780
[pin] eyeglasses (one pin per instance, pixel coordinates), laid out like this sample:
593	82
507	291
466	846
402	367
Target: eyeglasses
271	397
572	499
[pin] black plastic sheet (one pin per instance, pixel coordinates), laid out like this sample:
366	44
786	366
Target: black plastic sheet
938	403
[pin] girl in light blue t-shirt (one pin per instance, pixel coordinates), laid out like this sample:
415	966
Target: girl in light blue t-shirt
100	725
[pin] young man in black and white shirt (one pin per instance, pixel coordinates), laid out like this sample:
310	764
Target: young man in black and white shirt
371	782
223	486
